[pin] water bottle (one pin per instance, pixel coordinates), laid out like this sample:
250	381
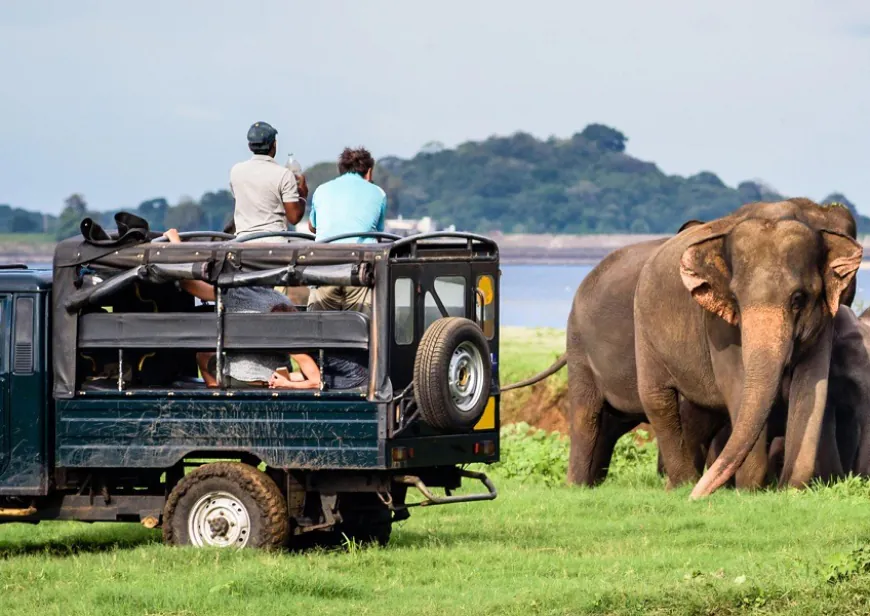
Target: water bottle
294	166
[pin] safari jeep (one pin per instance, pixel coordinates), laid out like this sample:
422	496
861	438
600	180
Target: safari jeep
104	416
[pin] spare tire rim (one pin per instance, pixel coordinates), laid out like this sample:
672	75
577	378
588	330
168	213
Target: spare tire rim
219	519
465	376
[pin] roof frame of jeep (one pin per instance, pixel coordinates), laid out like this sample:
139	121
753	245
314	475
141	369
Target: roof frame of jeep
232	263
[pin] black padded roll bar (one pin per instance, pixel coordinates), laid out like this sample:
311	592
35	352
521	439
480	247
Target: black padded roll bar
157	273
344	274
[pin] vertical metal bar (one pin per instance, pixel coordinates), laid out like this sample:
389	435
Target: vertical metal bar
320	361
120	369
219	347
374	342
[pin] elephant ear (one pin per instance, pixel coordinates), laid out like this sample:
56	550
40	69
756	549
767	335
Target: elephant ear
689	224
707	277
842	261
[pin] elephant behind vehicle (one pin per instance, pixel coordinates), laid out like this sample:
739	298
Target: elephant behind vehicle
603	403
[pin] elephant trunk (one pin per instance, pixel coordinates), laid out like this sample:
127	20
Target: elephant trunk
767	345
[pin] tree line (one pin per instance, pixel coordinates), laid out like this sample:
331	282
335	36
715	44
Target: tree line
586	183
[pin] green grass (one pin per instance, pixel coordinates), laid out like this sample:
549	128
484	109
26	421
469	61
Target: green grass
627	547
527	351
535	550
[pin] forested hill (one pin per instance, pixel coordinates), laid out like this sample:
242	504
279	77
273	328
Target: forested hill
586	183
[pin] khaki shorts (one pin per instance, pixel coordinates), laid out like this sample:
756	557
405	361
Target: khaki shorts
298	295
341	298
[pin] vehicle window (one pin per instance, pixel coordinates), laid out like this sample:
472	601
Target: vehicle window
451	292
23	335
403	318
485	305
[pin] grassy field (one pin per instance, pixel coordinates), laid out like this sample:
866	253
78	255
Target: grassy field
526	351
618	549
627	547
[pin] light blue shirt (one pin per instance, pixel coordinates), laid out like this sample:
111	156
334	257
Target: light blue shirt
348	204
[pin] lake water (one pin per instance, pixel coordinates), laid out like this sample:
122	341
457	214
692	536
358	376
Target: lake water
541	295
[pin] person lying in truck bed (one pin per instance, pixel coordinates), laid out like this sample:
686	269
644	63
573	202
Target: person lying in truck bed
341	369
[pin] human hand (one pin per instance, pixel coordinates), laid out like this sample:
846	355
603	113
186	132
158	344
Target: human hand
172	236
278	381
302	186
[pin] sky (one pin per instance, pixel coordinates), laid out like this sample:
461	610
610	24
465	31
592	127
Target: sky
124	101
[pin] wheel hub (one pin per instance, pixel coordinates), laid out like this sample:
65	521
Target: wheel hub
465	376
219	519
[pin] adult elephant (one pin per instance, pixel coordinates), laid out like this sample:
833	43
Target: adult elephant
764	285
603	403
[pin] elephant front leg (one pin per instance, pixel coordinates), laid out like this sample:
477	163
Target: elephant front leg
663	410
808	396
700	427
829	466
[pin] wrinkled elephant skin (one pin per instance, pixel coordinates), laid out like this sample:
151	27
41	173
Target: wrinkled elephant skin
602	376
763	287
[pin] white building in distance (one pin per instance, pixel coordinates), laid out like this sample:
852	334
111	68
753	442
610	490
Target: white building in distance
399	226
410	226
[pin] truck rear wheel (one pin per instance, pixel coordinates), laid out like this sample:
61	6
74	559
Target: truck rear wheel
226	504
452	374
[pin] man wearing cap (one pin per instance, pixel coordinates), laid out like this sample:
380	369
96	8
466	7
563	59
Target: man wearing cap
267	195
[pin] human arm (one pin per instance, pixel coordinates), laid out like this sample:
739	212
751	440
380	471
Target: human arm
197	288
309	371
312	214
294	202
383	216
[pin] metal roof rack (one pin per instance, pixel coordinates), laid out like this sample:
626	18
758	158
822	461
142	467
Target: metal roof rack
261	234
407	247
378	235
191	235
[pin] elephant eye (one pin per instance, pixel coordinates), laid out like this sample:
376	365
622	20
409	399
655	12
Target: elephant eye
798	301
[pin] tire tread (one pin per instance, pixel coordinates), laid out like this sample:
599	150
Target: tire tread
272	506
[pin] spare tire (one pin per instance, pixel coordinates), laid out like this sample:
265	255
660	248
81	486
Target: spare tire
452	374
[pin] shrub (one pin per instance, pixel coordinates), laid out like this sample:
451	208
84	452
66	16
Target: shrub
531	454
534	455
841	567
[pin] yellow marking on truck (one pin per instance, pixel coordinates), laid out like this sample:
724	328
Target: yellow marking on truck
487	420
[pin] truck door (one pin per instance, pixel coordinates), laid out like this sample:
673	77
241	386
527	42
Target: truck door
5	328
420	295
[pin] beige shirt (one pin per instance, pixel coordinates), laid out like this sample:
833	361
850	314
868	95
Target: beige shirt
261	187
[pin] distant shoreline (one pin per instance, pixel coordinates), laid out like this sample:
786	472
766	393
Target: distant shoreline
514	249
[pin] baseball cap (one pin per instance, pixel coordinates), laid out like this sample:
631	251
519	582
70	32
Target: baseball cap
261	133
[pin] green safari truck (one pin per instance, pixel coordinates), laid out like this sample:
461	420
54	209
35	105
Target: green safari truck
104	415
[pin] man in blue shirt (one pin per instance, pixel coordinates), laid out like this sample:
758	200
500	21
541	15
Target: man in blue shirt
351	203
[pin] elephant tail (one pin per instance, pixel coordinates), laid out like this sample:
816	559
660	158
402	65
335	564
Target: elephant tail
558	365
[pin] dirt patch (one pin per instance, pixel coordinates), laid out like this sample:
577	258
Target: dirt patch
540	405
